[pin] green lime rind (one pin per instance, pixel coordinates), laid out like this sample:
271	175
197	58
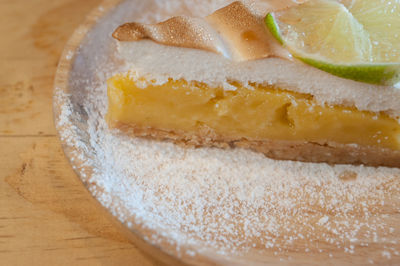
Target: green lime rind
380	74
273	27
375	73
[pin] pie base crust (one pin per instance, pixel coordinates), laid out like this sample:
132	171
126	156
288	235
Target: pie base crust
331	153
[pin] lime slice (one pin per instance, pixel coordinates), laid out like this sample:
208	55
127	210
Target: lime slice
353	39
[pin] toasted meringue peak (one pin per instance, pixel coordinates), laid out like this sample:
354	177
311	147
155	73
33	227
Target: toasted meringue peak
177	31
236	31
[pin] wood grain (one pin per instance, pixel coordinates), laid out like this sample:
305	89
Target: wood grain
46	215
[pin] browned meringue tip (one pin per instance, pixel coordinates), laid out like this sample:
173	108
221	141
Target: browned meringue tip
129	32
177	31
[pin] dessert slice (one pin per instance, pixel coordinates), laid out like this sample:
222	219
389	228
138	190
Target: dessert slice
225	81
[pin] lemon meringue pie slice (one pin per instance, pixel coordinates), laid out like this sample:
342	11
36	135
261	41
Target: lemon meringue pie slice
224	81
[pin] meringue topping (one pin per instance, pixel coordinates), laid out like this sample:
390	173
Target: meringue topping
236	31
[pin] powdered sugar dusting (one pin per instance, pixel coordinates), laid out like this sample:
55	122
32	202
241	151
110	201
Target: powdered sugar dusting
212	201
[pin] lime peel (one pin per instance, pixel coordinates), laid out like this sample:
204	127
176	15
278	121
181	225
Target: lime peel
273	27
379	74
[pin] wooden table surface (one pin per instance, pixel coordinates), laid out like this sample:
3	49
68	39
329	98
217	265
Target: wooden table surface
46	215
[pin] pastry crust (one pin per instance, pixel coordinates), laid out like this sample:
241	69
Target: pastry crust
331	153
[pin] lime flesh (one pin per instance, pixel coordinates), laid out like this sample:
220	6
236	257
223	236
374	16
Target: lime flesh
353	39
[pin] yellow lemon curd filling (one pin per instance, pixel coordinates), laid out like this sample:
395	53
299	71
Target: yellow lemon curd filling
254	112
